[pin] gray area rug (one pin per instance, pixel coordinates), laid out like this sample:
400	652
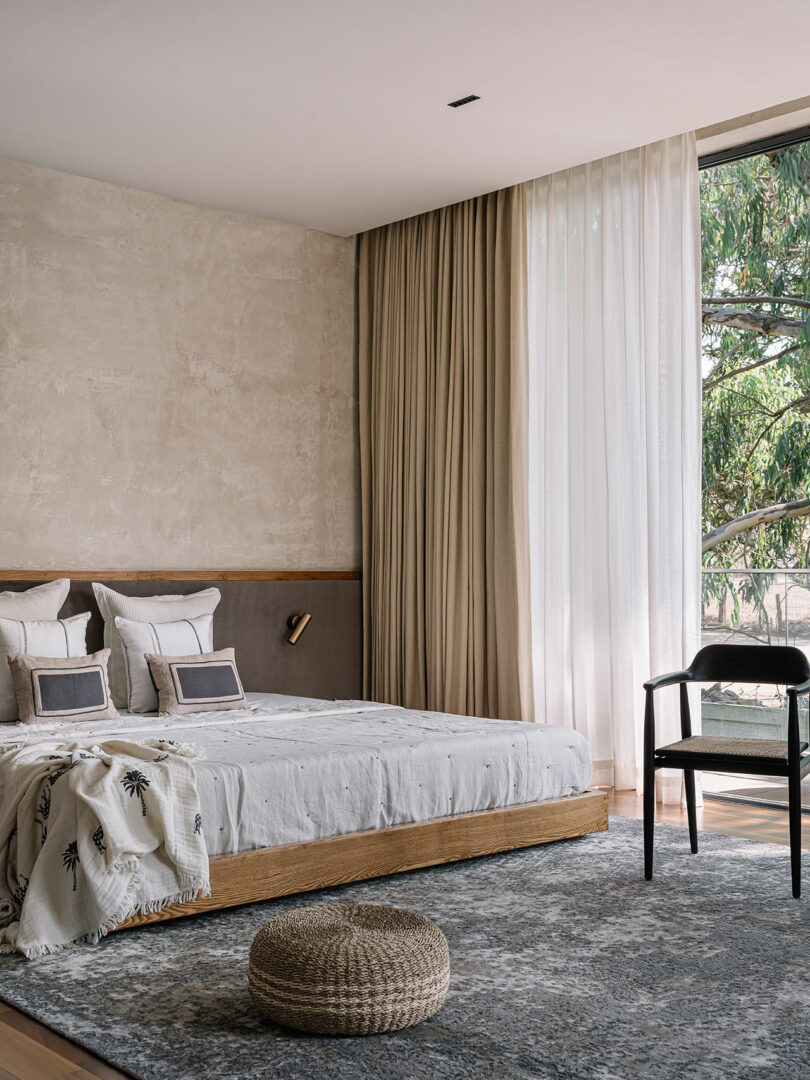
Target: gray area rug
565	964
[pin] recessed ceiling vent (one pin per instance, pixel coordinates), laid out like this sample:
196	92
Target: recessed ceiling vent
464	101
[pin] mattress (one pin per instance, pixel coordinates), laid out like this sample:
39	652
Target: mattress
290	769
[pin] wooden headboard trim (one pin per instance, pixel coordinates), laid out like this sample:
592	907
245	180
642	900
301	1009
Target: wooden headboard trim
181	575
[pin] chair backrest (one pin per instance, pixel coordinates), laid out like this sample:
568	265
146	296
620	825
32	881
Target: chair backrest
750	664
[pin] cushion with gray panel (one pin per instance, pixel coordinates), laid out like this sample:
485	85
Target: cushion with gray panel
50	689
207	683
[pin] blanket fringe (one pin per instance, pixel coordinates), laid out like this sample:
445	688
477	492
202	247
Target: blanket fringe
192	890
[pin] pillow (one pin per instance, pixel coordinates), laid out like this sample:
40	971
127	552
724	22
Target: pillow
206	683
148	609
192	636
50	688
40	602
54	637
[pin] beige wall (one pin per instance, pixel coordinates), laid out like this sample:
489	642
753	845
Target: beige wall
177	384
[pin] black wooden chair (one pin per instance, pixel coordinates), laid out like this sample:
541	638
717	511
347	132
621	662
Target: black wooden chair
776	664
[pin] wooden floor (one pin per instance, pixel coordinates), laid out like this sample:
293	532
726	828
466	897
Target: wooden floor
733	819
29	1051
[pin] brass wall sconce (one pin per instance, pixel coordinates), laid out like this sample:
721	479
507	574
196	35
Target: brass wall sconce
297	625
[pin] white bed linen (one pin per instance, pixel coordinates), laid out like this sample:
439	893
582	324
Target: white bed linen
291	769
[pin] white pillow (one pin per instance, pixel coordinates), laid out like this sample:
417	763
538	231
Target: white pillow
146	609
186	637
60	638
40	602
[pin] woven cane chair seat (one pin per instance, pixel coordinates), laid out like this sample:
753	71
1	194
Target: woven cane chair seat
723	746
349	969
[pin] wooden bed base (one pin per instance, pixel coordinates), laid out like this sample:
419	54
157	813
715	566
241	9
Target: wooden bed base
293	868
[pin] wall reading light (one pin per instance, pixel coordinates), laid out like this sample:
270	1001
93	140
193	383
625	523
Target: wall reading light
297	625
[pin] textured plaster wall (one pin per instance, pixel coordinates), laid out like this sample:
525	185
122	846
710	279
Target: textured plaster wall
177	384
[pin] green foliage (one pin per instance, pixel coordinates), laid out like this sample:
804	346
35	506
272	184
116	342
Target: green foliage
756	423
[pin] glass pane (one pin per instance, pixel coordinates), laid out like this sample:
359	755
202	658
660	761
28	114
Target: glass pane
749	607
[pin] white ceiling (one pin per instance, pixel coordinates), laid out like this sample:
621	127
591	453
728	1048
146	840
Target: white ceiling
333	113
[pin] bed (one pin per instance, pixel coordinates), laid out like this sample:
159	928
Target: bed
300	793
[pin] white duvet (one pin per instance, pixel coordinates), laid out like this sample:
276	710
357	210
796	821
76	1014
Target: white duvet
294	769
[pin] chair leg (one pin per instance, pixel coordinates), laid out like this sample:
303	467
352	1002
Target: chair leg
691	813
795	814
649	816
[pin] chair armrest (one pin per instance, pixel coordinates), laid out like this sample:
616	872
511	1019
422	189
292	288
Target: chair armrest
668	680
801	688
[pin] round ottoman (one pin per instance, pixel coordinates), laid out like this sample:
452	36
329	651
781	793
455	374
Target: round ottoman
349	969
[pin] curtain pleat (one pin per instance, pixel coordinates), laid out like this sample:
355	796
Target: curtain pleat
443	397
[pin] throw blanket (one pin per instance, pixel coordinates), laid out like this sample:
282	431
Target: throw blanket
92	834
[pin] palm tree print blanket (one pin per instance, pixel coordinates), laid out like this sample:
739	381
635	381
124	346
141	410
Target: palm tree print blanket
93	833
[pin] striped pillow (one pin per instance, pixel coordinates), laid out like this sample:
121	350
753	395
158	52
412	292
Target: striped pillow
154	609
185	636
45	637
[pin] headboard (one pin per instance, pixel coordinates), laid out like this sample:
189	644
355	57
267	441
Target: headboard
252	617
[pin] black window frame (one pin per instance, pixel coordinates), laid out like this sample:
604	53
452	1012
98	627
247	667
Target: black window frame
757	146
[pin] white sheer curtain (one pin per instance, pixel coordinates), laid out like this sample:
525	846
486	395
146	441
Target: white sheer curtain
614	445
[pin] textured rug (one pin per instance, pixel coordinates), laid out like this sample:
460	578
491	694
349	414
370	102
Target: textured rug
565	964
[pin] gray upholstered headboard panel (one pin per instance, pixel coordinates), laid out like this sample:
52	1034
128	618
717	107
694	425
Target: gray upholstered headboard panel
252	617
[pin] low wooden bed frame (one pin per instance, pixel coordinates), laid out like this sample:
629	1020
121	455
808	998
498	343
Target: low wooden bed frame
253	617
292	868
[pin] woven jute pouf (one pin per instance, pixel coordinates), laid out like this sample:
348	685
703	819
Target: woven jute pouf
349	969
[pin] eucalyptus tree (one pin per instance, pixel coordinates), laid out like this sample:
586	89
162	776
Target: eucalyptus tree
756	348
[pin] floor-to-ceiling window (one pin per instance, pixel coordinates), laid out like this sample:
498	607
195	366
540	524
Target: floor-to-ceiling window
755	207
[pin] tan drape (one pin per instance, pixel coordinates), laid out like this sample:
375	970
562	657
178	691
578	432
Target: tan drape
442	347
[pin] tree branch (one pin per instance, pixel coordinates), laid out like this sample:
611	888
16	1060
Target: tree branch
756	321
777	416
799	508
762	408
749	367
721	358
791	301
801	403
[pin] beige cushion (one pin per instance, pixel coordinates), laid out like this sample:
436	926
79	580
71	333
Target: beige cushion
42	637
72	689
40	602
146	609
188	684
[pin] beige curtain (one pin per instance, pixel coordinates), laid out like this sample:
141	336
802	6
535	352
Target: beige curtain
443	393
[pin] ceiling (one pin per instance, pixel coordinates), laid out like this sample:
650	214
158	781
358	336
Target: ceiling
333	113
